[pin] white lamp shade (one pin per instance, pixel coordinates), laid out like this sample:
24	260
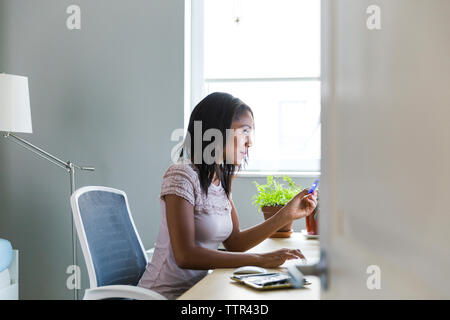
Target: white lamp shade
15	115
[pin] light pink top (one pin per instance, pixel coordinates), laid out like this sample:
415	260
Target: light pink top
213	225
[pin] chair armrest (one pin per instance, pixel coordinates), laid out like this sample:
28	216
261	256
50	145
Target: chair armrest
121	291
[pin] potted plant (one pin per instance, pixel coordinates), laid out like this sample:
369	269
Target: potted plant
272	196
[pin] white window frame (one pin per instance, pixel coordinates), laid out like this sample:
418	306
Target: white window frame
194	78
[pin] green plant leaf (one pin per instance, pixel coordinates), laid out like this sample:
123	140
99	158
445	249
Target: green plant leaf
274	193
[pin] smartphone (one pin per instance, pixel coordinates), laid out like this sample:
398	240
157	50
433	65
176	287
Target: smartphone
311	190
313	187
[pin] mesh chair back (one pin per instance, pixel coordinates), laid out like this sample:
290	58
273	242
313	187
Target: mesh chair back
115	250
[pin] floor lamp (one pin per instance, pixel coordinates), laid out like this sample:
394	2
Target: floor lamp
15	116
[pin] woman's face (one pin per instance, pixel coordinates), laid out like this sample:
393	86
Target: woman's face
239	139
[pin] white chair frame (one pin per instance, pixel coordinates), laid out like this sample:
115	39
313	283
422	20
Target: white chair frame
113	291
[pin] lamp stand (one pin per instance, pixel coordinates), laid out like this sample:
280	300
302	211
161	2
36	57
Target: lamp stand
70	167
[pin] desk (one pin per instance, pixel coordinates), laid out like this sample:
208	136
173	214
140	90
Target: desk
217	285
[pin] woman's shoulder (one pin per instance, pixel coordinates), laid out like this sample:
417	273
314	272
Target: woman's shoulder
181	179
182	167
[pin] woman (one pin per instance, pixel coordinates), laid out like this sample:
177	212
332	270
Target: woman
197	210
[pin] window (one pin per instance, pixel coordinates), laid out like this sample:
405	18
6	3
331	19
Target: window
267	53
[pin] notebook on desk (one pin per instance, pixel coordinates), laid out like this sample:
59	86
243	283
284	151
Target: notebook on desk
266	281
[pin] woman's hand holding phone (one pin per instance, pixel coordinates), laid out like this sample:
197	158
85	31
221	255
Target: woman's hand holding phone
301	205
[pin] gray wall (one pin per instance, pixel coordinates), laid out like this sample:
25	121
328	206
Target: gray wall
108	95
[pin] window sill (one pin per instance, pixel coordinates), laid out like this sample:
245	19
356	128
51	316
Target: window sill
256	174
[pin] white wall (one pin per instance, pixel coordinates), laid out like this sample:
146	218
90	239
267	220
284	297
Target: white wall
385	169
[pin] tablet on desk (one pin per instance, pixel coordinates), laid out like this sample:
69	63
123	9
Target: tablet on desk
265	281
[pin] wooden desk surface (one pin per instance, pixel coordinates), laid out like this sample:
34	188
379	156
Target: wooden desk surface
217	285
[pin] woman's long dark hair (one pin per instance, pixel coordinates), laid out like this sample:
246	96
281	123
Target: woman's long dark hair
216	111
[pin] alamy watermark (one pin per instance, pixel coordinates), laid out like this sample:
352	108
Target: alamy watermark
74	279
73	21
373	21
213	152
373	281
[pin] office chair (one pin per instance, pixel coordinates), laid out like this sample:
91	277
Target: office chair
114	254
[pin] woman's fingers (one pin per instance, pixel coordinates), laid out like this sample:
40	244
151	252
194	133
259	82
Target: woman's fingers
290	256
312	201
302	193
299	254
305	192
277	258
308	202
293	254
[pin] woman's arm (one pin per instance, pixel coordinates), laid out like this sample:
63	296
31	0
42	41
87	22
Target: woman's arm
180	222
240	241
300	206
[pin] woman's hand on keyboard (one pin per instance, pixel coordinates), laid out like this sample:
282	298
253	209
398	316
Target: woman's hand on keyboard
276	258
